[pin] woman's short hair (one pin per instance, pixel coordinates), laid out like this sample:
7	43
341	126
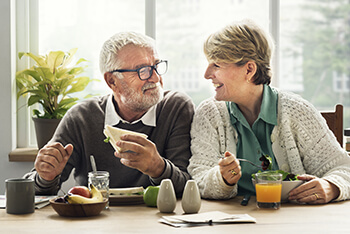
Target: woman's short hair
239	43
110	49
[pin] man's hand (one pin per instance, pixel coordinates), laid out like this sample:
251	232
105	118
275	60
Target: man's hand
230	169
141	154
51	160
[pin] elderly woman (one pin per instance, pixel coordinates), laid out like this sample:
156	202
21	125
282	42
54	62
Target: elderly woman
249	118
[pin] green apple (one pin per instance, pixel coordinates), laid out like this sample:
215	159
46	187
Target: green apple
150	196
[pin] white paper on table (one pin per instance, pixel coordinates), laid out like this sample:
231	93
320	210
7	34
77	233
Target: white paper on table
207	218
40	201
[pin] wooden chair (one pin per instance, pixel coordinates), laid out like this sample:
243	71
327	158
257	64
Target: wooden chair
335	122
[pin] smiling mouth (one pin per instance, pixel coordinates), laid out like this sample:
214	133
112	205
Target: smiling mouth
218	85
150	86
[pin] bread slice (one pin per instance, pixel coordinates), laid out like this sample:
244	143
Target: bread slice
114	135
126	191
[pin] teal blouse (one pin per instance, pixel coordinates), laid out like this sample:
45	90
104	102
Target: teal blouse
254	141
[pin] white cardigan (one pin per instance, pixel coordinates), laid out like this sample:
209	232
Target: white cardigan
301	142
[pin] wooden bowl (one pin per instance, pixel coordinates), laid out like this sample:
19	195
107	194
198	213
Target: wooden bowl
78	210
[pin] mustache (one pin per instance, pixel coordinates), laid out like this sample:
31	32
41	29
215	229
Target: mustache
150	86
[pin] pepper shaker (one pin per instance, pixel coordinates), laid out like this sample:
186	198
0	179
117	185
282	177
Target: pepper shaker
191	198
166	200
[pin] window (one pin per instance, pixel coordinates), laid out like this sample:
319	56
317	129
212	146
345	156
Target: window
312	40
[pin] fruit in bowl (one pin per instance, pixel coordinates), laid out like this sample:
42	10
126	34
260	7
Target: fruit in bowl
78	210
75	205
80	190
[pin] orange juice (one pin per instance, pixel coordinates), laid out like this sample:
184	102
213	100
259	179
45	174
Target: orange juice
268	192
268	189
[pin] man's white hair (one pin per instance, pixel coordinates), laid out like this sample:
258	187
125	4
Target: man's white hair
110	49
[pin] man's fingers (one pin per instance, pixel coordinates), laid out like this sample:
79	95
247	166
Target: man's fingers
69	150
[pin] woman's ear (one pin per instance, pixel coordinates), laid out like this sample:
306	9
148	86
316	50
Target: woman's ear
251	68
110	79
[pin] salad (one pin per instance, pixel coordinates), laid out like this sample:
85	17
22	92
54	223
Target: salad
266	163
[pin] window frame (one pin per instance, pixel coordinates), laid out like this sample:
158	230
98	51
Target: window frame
27	39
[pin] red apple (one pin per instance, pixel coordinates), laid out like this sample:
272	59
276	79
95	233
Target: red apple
80	190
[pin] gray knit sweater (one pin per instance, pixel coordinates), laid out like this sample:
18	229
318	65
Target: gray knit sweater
83	127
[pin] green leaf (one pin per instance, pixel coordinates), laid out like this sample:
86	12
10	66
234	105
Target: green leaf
33	99
76	71
33	73
36	113
40	60
50	80
67	102
80	85
54	60
107	139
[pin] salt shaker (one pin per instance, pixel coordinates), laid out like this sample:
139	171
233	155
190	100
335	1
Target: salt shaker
166	200
191	198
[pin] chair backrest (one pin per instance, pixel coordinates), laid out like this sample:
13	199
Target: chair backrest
335	122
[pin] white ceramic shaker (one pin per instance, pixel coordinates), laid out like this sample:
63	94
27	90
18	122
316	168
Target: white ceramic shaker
191	198
166	200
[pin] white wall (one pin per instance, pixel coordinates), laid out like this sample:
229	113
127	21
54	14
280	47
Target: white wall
7	103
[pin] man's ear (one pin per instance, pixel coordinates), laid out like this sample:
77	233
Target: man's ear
110	79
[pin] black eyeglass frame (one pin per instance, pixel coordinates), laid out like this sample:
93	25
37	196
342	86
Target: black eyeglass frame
138	69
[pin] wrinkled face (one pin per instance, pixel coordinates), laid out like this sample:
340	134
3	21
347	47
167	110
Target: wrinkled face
131	92
229	80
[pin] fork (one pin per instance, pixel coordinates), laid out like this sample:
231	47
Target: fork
245	160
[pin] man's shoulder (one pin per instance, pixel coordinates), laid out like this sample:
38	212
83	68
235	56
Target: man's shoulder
93	102
87	106
176	98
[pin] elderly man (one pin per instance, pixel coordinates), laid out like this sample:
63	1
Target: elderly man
132	69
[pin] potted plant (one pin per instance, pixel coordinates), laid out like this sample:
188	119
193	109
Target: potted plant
49	83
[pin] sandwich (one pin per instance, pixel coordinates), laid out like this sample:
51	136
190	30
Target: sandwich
133	191
113	135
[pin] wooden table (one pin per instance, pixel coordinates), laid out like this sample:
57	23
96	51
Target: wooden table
290	218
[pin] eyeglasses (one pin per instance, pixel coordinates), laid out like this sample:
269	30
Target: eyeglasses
147	71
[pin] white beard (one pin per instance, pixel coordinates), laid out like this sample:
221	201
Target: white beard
140	102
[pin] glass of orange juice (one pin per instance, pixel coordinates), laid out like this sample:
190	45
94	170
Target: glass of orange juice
268	187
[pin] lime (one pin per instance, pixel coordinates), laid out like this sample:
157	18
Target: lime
150	196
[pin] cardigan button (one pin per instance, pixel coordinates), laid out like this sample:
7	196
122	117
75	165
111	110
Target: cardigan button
273	138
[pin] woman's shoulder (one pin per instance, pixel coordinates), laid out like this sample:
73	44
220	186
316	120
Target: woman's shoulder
211	104
213	111
292	102
297	111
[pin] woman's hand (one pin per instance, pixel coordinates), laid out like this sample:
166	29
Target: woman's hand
314	191
230	169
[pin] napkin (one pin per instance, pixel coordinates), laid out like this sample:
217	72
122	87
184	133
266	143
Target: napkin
207	218
40	201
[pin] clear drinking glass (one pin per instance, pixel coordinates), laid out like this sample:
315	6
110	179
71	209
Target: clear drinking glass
268	187
100	179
